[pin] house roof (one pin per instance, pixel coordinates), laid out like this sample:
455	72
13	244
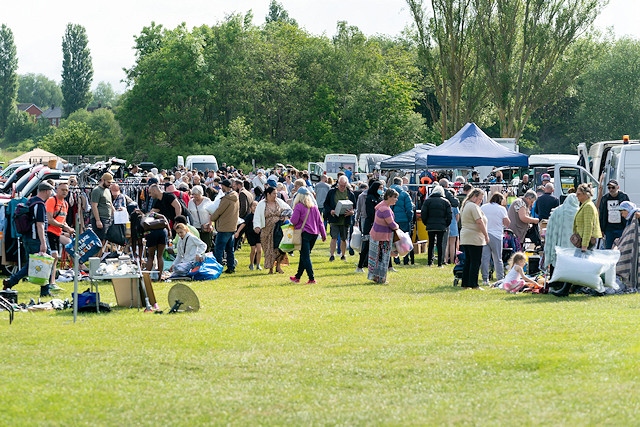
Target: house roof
52	113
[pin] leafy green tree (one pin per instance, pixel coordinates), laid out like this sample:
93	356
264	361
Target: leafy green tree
22	126
104	96
38	89
532	52
447	55
277	13
74	138
609	94
106	130
8	76
77	69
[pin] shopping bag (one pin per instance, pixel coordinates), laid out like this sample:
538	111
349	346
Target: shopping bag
209	269
40	268
88	245
403	244
286	244
356	239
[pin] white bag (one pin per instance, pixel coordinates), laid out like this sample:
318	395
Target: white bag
356	239
403	244
585	268
40	268
121	216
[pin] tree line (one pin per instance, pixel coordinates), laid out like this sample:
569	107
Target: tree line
276	93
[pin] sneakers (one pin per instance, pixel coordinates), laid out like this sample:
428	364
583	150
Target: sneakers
393	270
351	252
294	279
250	266
485	283
230	271
343	258
332	258
54	287
311	282
259	267
359	270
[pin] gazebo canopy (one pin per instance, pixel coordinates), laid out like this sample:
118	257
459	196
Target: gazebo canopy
37	156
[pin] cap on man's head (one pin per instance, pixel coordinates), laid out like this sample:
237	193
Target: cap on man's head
225	183
107	177
272	183
612	182
546	177
152	181
44	186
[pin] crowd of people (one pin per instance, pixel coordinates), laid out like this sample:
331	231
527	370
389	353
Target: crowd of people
189	214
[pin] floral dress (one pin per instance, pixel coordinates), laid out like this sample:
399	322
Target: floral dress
272	216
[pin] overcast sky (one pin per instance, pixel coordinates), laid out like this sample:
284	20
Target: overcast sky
38	26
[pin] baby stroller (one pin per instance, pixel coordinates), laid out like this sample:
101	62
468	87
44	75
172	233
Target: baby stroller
458	268
510	245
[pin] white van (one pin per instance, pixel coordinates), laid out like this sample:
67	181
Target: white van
623	164
593	159
367	162
334	163
202	162
564	177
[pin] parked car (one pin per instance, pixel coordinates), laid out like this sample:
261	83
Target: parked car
18	173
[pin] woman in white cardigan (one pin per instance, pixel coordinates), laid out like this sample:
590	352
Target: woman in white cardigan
190	250
268	212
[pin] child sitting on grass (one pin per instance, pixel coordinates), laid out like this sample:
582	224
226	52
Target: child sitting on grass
515	279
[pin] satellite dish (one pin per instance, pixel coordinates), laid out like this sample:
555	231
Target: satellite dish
183	299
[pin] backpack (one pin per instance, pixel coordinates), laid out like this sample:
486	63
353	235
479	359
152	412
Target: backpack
23	217
185	212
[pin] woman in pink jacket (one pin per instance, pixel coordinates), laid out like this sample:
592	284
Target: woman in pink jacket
381	237
306	216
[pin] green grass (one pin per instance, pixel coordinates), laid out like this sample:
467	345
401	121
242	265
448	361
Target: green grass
262	351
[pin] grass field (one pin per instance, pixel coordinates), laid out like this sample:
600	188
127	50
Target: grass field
263	351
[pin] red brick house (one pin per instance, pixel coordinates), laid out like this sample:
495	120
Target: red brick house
33	110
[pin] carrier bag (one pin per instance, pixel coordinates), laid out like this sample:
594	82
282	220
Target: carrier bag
403	243
286	244
209	269
40	268
356	239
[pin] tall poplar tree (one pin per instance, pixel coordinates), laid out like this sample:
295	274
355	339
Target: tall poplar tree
77	70
8	76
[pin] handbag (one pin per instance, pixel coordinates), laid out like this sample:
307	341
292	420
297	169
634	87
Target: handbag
152	223
576	241
297	234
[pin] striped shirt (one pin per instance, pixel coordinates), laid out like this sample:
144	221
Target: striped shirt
383	224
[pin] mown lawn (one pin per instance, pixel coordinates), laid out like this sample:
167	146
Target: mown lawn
262	351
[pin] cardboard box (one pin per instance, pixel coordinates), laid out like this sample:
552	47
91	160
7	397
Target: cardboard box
127	291
343	206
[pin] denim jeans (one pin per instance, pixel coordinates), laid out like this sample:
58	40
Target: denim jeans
308	242
224	243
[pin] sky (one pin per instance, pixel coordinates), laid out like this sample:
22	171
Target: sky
111	25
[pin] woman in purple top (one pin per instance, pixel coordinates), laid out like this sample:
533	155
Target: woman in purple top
381	236
305	209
